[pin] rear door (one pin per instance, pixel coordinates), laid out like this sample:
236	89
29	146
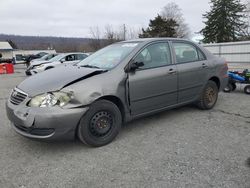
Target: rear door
153	86
192	69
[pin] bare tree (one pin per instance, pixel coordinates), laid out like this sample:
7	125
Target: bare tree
95	41
172	11
133	33
109	34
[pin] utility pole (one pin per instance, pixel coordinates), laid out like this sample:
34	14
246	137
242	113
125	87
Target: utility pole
124	32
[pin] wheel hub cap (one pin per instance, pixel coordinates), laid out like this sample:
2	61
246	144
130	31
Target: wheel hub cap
101	123
210	96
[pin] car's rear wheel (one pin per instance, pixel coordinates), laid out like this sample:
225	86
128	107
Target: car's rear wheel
101	124
209	96
234	86
247	89
228	88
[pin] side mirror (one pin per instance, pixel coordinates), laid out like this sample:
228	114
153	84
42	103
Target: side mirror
62	60
133	66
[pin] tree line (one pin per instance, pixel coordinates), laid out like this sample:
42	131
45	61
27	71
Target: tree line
226	21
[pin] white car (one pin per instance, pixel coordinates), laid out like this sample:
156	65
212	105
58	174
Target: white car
44	58
61	59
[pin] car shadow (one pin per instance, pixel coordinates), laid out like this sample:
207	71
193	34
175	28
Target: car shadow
248	162
76	145
149	120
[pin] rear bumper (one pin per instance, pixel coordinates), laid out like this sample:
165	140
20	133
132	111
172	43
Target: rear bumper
44	123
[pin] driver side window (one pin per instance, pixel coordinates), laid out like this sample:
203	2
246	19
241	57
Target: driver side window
154	55
70	58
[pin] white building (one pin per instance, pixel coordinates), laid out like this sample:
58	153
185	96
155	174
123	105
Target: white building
6	50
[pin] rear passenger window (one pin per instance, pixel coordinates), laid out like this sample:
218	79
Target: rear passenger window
80	56
155	55
187	53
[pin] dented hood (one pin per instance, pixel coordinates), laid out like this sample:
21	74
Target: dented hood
55	79
34	63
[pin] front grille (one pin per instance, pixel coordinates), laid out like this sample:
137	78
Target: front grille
35	131
17	97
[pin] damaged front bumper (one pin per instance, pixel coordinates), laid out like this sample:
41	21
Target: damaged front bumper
52	123
30	72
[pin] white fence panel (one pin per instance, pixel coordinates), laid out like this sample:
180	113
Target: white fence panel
233	52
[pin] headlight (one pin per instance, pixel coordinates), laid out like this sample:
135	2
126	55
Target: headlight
51	99
39	66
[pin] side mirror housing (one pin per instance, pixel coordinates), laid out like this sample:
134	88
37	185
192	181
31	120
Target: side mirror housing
133	66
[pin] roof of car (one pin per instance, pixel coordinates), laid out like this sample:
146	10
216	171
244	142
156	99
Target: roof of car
73	53
153	39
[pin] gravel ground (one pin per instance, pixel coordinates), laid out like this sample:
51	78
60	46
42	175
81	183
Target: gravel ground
184	147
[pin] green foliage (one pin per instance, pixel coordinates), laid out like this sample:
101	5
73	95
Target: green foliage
160	27
224	22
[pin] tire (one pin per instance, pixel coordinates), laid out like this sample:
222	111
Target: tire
228	88
27	64
234	86
247	89
101	124
209	96
47	68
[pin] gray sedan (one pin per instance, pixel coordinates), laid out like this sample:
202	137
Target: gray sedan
121	82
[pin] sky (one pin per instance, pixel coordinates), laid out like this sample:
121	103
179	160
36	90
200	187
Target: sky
73	18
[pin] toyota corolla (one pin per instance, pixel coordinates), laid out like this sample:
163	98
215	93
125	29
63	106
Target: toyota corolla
121	82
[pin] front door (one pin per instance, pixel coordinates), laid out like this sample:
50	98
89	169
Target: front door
154	85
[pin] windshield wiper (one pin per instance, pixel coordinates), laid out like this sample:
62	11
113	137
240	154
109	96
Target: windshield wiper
90	66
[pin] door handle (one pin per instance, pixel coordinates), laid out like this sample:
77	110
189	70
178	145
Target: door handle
204	65
172	71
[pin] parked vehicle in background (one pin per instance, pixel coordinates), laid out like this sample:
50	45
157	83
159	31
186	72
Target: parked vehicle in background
61	59
118	83
29	58
240	78
3	60
20	59
47	57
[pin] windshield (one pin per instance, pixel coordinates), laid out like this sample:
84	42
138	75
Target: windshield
108	57
57	58
43	58
48	57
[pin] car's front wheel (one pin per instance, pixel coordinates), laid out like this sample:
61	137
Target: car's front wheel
47	68
228	88
101	124
247	89
209	96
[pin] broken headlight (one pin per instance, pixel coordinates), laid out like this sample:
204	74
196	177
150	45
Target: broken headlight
38	66
51	99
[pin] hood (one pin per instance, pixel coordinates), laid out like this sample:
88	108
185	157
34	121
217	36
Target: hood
38	62
56	79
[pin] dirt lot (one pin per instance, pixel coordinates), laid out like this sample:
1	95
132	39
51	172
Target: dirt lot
184	147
